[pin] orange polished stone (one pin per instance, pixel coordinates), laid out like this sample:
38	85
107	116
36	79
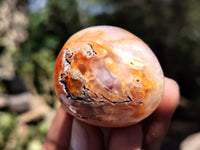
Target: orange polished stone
106	76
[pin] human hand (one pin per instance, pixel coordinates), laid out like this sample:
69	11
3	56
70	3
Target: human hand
67	132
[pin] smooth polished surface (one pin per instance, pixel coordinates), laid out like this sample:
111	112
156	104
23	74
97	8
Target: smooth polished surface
107	76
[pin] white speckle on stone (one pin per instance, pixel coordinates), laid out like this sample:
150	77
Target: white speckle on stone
71	108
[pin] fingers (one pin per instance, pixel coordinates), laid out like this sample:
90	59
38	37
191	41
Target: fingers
86	137
127	138
58	136
155	127
170	98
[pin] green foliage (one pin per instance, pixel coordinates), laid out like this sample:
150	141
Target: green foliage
7	125
43	128
34	144
35	137
48	30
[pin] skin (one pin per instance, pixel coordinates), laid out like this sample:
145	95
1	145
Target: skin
67	132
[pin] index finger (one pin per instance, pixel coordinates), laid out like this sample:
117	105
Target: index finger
59	134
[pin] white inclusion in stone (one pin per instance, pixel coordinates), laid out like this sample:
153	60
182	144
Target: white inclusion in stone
71	108
66	66
126	56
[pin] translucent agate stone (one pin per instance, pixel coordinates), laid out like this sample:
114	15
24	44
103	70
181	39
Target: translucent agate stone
107	76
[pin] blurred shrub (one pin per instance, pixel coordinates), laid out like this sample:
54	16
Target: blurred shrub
7	126
48	30
13	32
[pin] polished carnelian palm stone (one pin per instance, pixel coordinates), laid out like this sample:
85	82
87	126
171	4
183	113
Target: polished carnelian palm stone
106	76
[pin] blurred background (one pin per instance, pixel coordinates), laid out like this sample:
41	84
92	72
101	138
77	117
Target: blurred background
32	32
